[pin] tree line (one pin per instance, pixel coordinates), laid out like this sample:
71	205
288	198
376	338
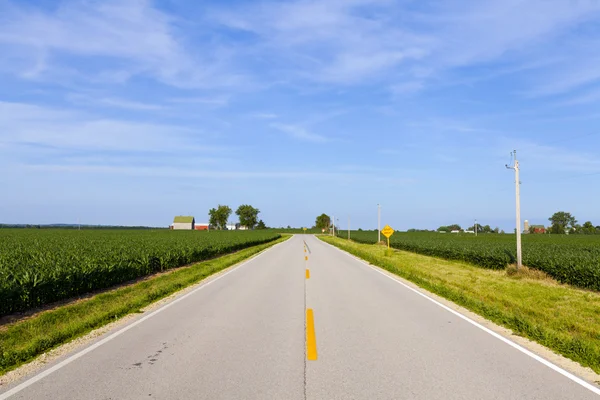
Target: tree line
248	216
564	222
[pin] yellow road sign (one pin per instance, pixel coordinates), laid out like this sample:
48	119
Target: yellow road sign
387	231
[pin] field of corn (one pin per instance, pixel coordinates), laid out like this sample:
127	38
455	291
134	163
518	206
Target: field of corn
572	259
42	266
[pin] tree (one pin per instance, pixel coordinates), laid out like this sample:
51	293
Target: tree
218	216
261	225
323	222
588	228
248	215
562	221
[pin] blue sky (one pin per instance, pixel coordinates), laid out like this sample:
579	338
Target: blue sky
132	111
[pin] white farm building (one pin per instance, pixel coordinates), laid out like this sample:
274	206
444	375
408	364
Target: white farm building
182	222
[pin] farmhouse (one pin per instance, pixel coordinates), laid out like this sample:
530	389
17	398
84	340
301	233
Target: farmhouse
538	229
182	222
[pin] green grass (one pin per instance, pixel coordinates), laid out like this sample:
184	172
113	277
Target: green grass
560	317
23	341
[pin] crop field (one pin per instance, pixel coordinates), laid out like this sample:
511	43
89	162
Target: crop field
41	266
572	259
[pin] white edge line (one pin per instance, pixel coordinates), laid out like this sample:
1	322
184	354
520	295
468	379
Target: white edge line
509	342
83	352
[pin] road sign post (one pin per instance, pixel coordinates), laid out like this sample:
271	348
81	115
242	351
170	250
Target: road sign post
387	231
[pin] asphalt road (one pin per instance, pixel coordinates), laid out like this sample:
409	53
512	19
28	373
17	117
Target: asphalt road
244	336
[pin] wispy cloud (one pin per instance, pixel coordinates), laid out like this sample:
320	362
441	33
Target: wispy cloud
263	115
132	36
82	99
299	132
216	101
25	124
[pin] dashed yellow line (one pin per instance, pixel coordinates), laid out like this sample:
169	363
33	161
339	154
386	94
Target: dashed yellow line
308	274
311	339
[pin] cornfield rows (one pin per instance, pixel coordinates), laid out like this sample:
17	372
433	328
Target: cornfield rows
41	266
573	259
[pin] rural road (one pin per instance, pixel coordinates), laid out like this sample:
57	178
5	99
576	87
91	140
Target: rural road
244	336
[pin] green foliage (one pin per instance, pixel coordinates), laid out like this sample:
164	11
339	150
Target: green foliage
323	222
248	215
261	225
28	338
218	216
42	266
569	259
562	222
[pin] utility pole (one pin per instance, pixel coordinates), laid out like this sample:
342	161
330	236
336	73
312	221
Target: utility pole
378	223
518	203
333	227
475	227
348	227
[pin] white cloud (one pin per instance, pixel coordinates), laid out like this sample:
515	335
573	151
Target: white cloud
216	101
113	102
24	124
299	132
131	37
264	115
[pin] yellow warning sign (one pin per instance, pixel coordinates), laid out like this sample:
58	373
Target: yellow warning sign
387	231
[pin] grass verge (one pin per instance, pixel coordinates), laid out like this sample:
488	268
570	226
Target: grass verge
560	317
22	341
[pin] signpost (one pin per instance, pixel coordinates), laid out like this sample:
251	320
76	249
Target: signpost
387	231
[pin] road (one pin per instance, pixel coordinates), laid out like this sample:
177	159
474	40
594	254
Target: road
244	336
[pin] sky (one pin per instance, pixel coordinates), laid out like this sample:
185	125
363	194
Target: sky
130	112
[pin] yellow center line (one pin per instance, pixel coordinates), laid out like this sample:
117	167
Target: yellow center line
311	339
307	273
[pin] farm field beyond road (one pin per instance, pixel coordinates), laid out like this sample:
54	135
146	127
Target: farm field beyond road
572	259
41	266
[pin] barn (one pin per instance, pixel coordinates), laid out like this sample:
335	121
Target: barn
182	222
202	227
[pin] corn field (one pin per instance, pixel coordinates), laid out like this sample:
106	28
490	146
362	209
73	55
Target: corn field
38	267
572	259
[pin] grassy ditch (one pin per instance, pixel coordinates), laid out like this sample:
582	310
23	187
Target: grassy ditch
560	317
22	341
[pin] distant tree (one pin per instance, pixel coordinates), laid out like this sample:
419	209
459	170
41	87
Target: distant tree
455	227
218	217
443	229
502	232
588	228
261	225
480	228
248	215
323	221
496	230
562	222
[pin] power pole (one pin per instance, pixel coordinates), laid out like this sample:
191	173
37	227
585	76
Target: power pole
378	223
333	227
475	228
518	203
